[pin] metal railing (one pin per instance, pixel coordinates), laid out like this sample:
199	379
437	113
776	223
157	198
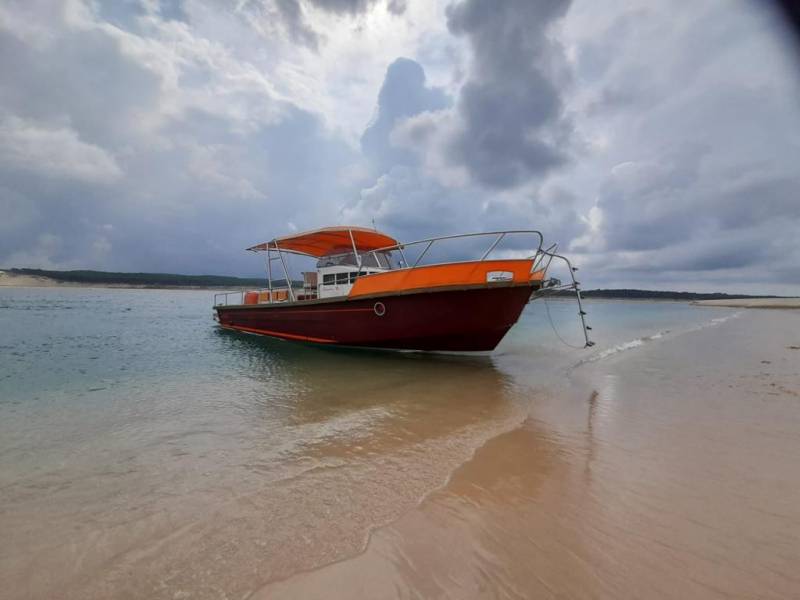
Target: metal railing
225	295
575	286
542	258
499	236
222	298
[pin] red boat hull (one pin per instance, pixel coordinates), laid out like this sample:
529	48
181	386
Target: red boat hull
468	319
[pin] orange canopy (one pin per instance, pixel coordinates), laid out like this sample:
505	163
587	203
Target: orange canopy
328	240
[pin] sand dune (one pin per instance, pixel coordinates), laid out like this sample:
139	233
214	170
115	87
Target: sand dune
14	280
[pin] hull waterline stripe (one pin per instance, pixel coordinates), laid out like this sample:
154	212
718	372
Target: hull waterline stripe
292	312
278	334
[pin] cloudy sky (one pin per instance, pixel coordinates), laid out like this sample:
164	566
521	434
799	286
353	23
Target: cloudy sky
657	142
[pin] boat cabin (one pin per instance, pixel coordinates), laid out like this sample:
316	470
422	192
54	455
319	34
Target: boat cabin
336	273
343	255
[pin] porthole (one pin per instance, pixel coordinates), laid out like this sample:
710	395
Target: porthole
379	308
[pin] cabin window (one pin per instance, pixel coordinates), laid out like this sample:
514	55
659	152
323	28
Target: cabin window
353	277
328	279
347	259
341	278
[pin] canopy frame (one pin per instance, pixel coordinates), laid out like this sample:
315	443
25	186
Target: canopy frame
274	245
327	240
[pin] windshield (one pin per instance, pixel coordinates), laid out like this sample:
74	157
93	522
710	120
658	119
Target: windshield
378	260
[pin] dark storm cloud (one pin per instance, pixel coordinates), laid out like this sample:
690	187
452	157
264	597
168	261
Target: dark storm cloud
292	14
404	197
714	254
343	6
759	197
404	93
663	206
397	7
172	10
514	126
273	18
126	14
59	127
123	14
647	204
354	7
102	96
702	178
234	193
190	208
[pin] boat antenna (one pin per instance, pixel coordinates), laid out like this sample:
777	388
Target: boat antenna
373	224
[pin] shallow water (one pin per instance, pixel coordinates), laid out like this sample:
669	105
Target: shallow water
144	452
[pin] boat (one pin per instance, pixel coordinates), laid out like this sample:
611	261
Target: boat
371	291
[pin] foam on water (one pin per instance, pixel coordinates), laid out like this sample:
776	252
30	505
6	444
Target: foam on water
641	341
621	348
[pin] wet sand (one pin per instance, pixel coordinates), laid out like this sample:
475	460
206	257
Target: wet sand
634	482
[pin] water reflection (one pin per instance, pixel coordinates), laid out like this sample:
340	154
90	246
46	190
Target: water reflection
340	402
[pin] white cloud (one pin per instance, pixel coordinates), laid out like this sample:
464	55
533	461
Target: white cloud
340	81
53	152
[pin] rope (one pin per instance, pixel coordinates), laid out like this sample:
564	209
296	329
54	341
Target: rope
553	326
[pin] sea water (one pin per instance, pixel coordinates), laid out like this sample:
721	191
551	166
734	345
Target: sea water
145	451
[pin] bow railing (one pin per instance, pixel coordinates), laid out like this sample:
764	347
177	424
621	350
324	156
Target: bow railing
497	238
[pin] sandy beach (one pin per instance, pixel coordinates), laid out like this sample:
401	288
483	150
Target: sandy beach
17	280
8	279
